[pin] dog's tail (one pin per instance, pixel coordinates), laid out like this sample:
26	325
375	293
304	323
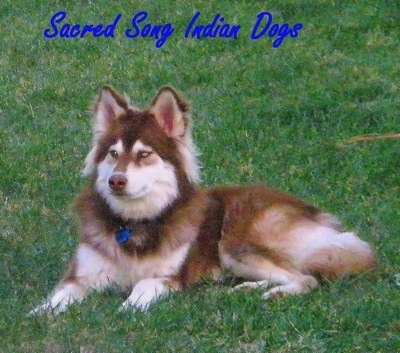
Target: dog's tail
346	254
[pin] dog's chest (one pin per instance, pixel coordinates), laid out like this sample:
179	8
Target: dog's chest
149	251
162	264
139	240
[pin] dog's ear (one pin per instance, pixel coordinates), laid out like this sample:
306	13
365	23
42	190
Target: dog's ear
170	110
109	106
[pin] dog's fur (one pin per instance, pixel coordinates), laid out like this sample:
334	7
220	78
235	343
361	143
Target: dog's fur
143	175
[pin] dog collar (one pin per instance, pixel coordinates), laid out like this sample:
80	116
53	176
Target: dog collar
123	234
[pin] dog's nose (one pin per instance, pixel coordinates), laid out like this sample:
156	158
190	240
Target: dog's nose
117	182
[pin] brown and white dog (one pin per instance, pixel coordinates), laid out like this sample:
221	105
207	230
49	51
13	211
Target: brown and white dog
145	224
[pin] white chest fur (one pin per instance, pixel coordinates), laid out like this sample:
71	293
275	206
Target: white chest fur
94	267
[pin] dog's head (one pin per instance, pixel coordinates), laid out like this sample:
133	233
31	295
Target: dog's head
141	160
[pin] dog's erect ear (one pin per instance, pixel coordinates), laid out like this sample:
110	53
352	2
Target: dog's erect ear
170	110
109	106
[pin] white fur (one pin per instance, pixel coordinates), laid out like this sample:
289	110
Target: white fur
309	239
90	165
299	245
150	188
300	284
189	158
266	273
101	123
106	104
186	148
93	271
259	269
97	272
64	295
145	293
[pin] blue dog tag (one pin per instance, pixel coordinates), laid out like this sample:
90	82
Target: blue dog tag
123	235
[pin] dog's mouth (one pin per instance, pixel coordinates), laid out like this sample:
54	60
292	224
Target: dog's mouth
119	193
124	195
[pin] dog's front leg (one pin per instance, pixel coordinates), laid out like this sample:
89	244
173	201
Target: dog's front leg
147	291
89	270
67	292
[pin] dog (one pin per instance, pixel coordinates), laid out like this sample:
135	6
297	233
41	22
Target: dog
145	225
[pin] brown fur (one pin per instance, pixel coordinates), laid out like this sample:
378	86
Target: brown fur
250	220
255	232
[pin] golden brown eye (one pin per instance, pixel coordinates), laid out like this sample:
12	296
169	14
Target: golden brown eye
144	154
113	154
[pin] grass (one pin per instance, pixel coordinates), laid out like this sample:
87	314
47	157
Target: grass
277	116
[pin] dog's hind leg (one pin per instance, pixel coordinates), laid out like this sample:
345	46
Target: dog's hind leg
90	270
264	272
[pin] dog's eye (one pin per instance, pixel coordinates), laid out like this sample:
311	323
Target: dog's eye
144	154
113	154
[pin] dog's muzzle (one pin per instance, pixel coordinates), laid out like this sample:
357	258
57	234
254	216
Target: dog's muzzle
117	182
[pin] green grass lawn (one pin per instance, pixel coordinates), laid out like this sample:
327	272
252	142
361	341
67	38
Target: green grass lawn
261	114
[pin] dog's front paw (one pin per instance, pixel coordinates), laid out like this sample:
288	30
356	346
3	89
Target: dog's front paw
128	305
145	293
45	308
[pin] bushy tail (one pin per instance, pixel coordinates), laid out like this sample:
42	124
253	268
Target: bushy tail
348	254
